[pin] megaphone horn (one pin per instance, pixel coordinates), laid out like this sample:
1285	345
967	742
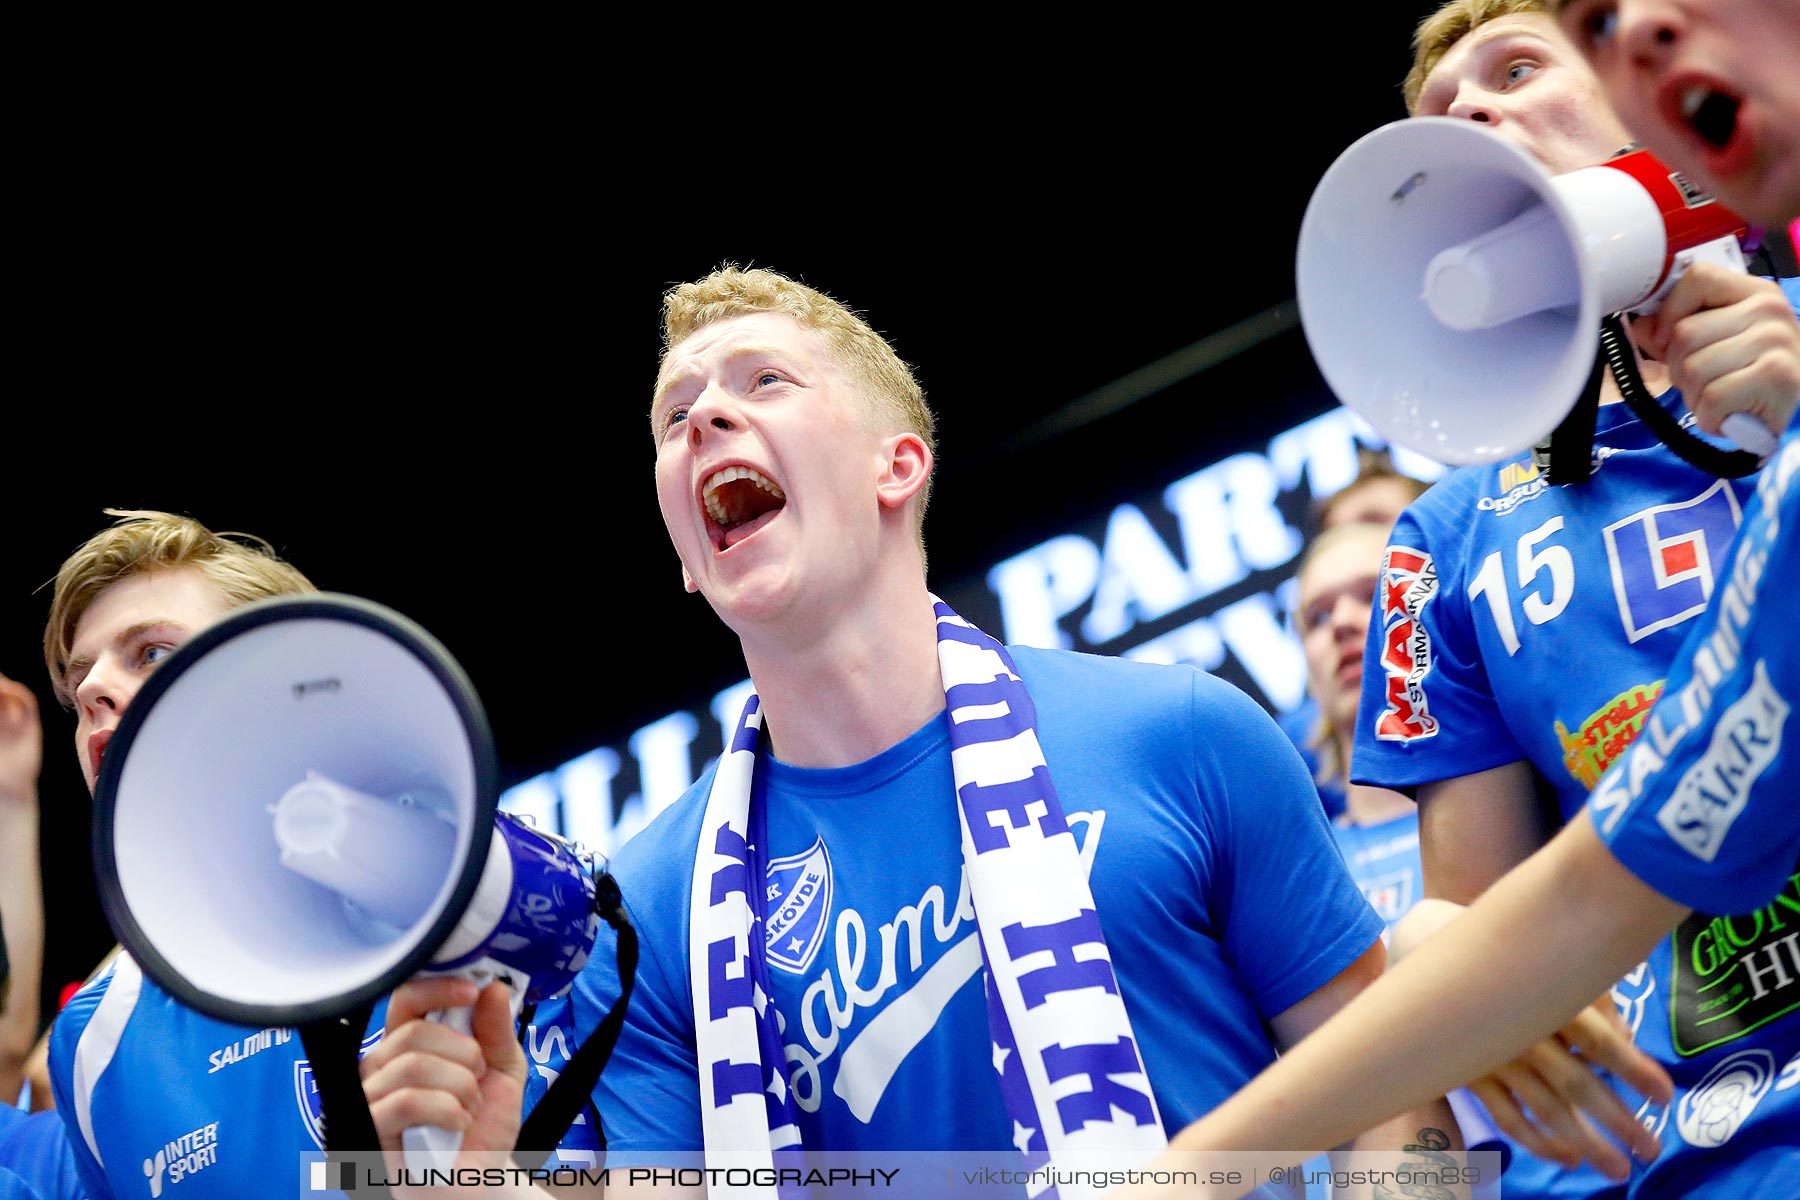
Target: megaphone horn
298	812
1451	289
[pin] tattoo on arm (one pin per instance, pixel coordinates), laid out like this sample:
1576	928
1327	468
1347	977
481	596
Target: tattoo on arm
1431	1158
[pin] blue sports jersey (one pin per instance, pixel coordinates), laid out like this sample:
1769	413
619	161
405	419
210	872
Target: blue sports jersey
35	1155
1384	861
1221	895
1705	807
160	1100
1517	620
1520	620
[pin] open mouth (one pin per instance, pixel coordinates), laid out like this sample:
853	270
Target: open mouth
1720	131
738	502
1711	114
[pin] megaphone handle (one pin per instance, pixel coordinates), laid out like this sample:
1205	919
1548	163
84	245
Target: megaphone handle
427	1146
1750	434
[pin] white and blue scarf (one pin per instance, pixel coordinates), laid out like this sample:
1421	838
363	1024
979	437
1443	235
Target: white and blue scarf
1069	1069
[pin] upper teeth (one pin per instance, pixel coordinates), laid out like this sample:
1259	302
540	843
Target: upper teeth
715	508
1692	99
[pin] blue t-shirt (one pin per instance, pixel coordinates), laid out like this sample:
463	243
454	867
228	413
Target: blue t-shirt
161	1100
1517	620
1300	725
35	1158
1221	895
1705	807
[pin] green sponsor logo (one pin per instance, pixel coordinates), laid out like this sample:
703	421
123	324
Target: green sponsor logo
1734	974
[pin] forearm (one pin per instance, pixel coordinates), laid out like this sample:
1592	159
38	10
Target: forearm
1569	922
1421	1144
22	915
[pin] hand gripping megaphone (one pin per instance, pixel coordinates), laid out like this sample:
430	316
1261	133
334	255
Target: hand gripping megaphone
298	812
1452	291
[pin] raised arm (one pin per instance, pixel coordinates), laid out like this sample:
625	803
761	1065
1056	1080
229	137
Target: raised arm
1422	1130
1731	343
1571	919
21	889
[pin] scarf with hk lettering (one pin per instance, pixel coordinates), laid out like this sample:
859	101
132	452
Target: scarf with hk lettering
1068	1064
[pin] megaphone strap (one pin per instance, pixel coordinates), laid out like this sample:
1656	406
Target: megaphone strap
1687	445
1568	457
561	1103
331	1047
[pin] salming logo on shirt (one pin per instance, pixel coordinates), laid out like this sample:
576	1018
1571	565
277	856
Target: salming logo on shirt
894	952
244	1047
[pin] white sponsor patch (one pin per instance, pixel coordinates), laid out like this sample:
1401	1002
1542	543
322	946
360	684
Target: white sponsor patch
1719	1105
1390	895
175	1161
1714	790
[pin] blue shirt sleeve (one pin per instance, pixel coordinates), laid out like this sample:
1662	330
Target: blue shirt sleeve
65	1034
1702	808
1427	710
1279	870
1300	726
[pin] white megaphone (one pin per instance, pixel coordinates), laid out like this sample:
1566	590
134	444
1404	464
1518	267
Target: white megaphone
298	812
1451	290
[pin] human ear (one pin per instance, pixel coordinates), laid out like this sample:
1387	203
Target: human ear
905	469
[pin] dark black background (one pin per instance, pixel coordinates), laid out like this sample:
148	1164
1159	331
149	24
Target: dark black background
401	319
